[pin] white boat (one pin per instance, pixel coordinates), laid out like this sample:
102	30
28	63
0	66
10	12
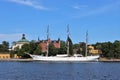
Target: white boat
65	57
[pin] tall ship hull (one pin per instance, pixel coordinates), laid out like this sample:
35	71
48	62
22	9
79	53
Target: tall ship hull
64	59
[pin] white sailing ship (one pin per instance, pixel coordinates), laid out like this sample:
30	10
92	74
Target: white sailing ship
65	57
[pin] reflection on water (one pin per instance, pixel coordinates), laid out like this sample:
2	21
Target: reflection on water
59	71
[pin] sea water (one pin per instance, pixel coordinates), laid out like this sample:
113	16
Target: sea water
59	71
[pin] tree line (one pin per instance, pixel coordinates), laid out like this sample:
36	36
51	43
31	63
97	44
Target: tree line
4	47
109	49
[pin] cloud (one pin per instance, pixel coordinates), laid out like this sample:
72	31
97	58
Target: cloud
79	6
31	3
100	10
10	37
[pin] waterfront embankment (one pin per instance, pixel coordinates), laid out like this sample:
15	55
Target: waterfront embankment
22	60
109	60
30	59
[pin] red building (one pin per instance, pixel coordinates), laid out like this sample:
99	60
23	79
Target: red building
43	44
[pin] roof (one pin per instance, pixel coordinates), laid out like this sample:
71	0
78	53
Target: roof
23	39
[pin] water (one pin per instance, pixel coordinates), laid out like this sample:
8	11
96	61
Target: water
59	71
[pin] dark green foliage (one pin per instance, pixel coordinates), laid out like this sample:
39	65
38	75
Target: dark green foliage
31	48
38	50
4	46
21	52
76	46
82	48
109	49
63	49
52	50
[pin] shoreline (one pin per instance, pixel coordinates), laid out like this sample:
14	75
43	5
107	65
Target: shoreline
109	60
17	60
30	59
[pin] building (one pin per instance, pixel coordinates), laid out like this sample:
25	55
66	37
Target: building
43	44
4	56
8	56
93	51
20	43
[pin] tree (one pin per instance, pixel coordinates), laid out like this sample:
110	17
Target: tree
76	46
116	45
52	50
82	48
4	46
21	52
63	49
38	50
32	47
107	49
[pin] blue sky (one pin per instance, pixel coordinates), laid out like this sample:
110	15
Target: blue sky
31	17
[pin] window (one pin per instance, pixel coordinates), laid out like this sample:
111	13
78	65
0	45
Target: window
6	57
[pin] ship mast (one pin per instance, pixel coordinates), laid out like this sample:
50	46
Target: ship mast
68	34
86	49
47	40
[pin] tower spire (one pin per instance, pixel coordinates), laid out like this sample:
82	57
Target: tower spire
23	36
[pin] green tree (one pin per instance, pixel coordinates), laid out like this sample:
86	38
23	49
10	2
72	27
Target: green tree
52	50
38	50
107	49
82	48
116	45
4	46
32	47
21	52
63	49
76	46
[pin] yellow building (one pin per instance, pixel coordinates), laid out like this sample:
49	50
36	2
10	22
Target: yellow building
7	56
93	51
4	56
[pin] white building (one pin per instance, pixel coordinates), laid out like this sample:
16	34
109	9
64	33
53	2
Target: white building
20	43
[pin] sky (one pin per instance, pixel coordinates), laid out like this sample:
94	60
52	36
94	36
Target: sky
31	17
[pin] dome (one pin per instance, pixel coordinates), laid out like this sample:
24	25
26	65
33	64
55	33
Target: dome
23	39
